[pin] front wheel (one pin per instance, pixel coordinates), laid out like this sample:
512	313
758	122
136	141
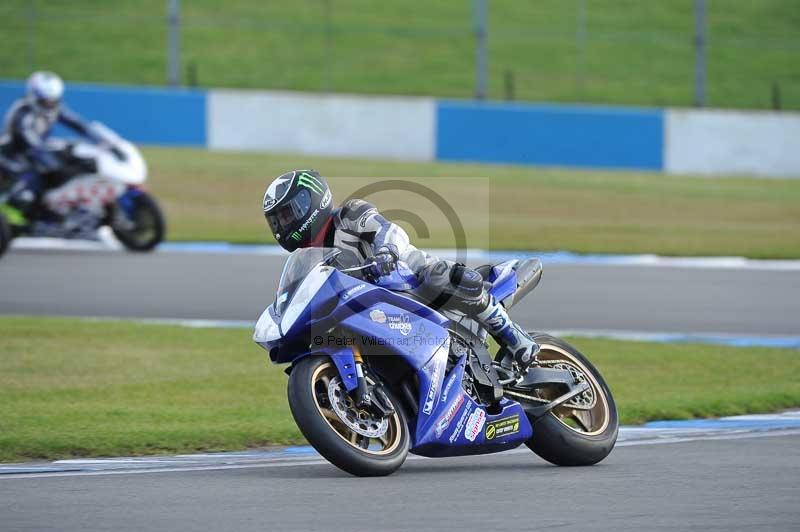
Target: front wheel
359	441
138	222
583	430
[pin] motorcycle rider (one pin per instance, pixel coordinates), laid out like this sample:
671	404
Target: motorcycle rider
298	206
28	124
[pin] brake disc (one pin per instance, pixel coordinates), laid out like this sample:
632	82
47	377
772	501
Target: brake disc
583	401
358	420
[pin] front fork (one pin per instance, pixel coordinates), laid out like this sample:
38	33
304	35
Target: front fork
350	365
123	213
361	393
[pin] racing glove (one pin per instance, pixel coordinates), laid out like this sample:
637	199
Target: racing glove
384	261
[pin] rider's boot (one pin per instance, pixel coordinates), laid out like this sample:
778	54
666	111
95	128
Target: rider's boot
23	195
508	334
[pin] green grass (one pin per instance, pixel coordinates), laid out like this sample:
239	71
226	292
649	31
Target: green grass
217	196
73	387
635	52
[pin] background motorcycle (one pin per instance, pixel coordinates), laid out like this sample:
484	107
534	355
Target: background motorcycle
375	373
98	184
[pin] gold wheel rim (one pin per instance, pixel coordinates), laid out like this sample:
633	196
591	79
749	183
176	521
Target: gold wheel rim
388	442
590	422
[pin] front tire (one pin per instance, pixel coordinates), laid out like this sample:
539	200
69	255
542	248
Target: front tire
584	430
312	385
143	227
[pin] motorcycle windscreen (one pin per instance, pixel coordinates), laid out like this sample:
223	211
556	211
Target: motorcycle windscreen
298	266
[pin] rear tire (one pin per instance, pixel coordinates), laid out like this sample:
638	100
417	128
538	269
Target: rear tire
561	439
5	234
149	226
317	423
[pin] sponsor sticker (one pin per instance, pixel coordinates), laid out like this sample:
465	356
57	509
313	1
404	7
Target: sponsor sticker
310	220
447	388
502	427
350	291
310	182
326	199
460	424
475	424
430	398
400	323
448	416
377	315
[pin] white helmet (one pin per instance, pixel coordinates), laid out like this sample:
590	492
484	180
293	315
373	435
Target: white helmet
45	89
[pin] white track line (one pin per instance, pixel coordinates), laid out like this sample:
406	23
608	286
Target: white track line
294	461
730	339
109	243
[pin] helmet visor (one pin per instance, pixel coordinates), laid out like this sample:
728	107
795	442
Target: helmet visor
286	214
49	103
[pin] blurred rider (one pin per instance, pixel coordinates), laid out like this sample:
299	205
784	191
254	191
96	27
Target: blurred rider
298	206
28	124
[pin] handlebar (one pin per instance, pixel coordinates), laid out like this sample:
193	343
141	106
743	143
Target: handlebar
364	266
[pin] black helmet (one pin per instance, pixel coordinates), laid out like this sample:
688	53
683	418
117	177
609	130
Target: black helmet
297	205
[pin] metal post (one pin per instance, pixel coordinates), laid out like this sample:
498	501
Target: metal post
700	53
580	41
328	46
481	28
30	20
173	43
508	79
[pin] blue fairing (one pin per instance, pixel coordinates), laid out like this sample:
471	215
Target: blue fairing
401	278
126	200
449	422
458	425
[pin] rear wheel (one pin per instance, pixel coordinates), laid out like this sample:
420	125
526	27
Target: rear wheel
583	430
140	224
359	441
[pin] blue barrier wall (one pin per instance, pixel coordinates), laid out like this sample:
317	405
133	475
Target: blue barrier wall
140	114
558	135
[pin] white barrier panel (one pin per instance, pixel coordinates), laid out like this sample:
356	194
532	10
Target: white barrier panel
732	142
318	124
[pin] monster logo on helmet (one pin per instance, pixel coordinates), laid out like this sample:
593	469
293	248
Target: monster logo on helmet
311	183
297	206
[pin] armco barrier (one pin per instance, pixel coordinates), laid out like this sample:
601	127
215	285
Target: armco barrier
423	129
141	114
559	135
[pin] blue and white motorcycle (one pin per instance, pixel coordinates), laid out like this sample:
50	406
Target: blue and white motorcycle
376	374
99	184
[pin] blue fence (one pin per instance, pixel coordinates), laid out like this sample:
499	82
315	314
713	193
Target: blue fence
558	135
140	114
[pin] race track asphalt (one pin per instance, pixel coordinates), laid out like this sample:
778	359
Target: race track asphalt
239	286
742	484
725	484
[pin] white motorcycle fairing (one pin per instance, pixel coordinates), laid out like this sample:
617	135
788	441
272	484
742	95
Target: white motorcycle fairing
110	180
